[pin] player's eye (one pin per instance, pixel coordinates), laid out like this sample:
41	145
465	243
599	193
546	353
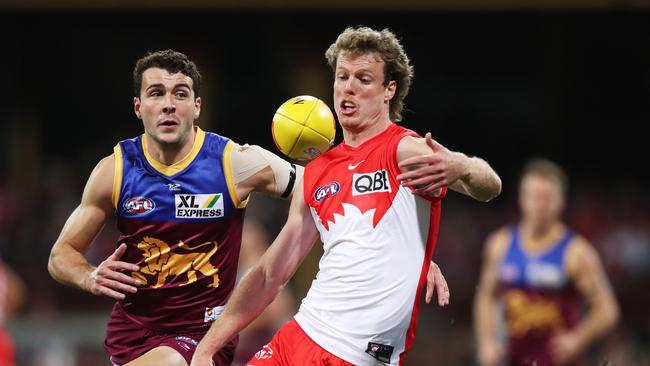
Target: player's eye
342	77
365	79
180	94
155	93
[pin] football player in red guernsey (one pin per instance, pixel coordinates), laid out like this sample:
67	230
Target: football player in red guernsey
375	201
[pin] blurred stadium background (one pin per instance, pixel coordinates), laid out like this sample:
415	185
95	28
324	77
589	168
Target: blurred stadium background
503	79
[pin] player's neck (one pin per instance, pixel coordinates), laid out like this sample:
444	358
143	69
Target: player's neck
357	136
539	235
169	154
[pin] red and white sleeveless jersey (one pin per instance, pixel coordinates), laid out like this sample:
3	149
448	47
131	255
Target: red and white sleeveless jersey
378	238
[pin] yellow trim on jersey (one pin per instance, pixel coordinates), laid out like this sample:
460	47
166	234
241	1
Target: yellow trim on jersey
230	181
170	170
117	176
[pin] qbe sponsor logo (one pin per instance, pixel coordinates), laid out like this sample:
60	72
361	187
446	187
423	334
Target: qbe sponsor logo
199	206
367	183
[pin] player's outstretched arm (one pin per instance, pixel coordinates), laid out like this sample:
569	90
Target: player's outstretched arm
490	351
255	169
586	270
428	166
67	263
263	282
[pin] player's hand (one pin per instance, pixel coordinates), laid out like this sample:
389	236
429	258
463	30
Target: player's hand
427	174
108	278
436	280
490	354
564	347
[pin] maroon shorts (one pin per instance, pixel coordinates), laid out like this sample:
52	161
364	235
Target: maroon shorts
292	346
126	341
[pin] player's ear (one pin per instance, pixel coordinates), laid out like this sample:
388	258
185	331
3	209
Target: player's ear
197	108
136	107
389	91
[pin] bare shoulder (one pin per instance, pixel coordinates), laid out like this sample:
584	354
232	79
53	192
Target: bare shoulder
410	146
581	254
99	188
496	243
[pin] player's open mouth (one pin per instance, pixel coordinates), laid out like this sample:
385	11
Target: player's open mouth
168	123
347	108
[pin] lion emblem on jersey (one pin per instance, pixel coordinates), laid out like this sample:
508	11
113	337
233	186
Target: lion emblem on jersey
526	313
161	261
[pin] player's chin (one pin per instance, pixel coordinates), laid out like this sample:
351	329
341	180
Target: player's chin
349	122
169	138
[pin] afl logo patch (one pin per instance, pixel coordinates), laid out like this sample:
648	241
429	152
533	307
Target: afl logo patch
139	205
326	191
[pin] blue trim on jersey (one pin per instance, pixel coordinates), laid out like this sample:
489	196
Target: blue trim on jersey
544	271
199	192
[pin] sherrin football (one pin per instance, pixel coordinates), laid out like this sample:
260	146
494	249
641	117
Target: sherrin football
303	128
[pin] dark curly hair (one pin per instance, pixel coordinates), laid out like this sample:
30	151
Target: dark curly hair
170	60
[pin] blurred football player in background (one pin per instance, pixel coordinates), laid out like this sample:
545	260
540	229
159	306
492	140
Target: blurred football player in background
542	271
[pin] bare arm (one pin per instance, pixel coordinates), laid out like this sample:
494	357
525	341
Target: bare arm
15	286
429	166
257	170
490	352
588	275
67	263
264	281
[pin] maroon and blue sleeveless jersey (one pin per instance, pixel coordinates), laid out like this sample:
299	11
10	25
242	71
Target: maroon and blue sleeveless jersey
539	297
182	225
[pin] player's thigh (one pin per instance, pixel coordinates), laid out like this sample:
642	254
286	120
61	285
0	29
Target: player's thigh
162	355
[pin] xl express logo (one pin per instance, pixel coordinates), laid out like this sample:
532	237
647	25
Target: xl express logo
367	183
200	206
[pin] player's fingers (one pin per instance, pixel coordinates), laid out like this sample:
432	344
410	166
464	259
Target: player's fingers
421	182
442	288
426	184
433	144
419	160
430	188
117	254
116	285
122	266
431	279
443	295
423	171
123	278
105	291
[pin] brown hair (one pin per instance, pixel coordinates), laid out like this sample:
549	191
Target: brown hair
169	60
361	40
547	169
